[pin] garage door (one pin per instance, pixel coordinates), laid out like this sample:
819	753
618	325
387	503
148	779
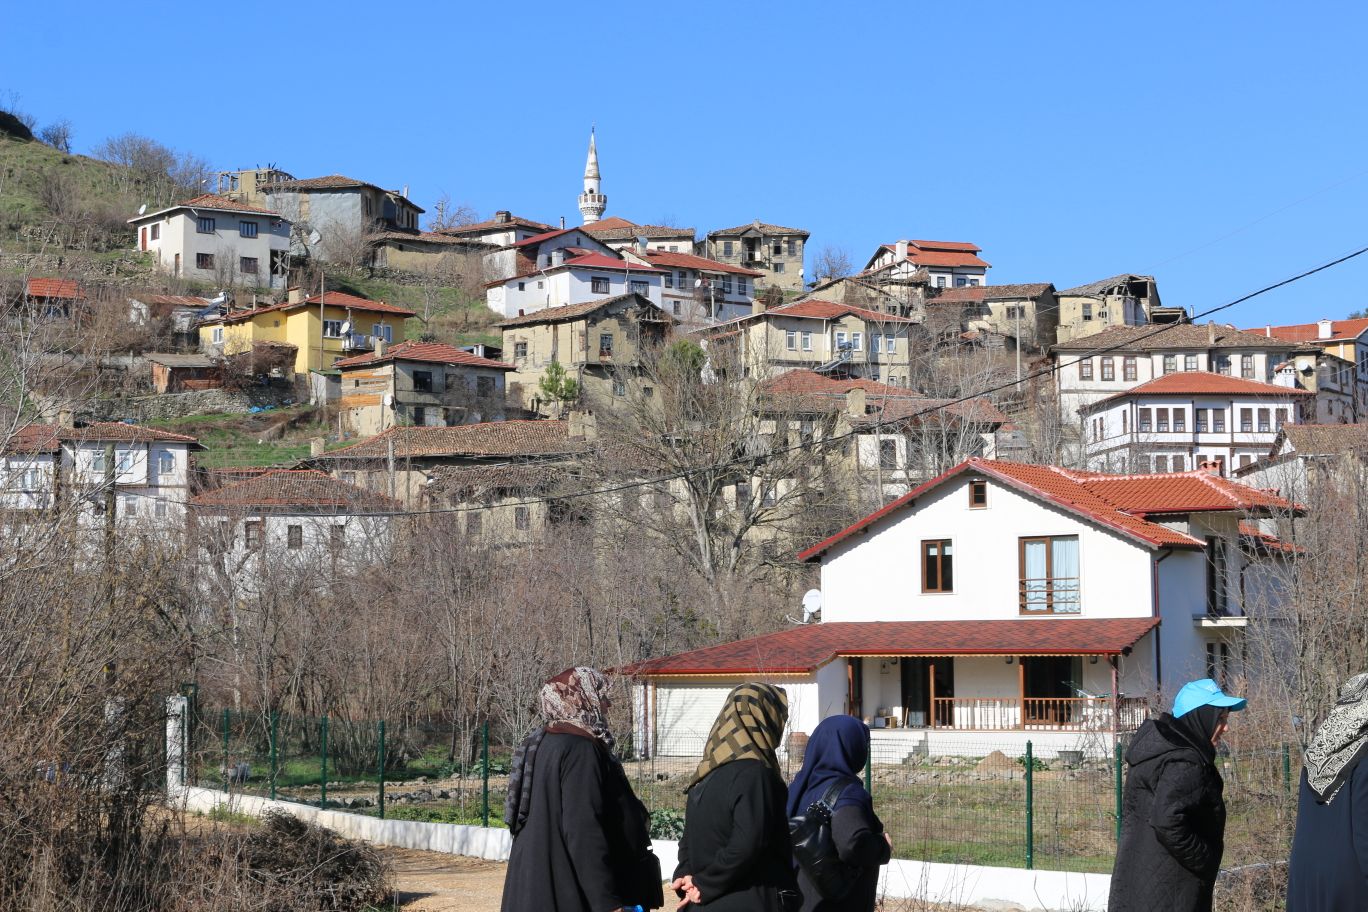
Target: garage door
684	716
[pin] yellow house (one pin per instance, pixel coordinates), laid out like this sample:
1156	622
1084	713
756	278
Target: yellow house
322	331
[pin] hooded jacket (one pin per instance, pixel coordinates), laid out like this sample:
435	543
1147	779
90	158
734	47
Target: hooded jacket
1173	822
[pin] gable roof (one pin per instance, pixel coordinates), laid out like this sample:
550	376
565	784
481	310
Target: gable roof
1117	502
1325	439
511	222
31	439
566	312
330	299
810	383
1172	337
616	228
1198	383
1340	331
829	310
757	225
544	236
602	261
490	438
689	261
180	359
118	432
428	352
194	301
298	489
59	289
802	650
934	253
1100	287
980	293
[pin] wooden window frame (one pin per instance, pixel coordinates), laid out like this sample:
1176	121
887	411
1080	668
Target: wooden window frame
294	537
1049	541
1085	369
940	559
1108	368
1129	370
978	493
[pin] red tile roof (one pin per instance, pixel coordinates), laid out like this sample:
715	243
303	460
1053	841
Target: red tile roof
757	225
1255	536
603	261
802	650
65	289
1171	337
306	489
513	221
940	253
327	182
566	312
806	382
490	438
1120	503
616	228
1200	383
224	204
1340	331
427	352
173	300
30	439
107	431
544	236
689	261
341	299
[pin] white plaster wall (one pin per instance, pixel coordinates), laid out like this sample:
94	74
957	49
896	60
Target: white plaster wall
19	493
876	576
179	235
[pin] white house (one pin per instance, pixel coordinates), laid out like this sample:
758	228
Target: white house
698	291
949	264
620	234
217	240
564	267
997	603
1186	420
1302	452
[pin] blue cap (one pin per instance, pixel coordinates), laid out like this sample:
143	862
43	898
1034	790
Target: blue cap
1205	692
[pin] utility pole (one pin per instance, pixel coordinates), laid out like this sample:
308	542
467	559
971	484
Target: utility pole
110	503
389	461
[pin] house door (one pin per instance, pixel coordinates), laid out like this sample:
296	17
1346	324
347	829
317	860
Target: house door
916	692
142	238
933	696
1050	688
176	270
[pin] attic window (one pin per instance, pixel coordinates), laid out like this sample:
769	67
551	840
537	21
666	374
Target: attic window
978	493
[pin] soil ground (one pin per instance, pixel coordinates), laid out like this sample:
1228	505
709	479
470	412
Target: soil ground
434	882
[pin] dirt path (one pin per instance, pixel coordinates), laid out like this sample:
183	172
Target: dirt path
434	882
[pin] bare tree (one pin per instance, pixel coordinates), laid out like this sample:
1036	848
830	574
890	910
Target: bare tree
446	215
831	262
58	135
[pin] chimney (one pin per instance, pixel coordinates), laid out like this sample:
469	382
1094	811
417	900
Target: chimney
1211	332
1210	465
66	418
381	346
562	222
1268	330
295	295
757	305
317	446
855	402
583	425
502	216
1324	329
902	250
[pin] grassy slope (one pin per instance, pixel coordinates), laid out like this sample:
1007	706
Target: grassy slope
232	441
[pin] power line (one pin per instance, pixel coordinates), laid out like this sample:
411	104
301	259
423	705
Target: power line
940	405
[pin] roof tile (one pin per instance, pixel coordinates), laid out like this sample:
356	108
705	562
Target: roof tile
427	352
299	489
490	438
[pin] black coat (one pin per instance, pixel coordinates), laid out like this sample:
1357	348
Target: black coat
1329	868
1173	825
859	839
736	839
582	847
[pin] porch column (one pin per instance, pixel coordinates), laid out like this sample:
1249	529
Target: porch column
1115	663
1021	692
931	672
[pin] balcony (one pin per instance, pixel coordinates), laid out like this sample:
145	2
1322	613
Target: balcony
1102	714
358	342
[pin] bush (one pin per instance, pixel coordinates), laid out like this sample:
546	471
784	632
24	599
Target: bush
318	869
667	823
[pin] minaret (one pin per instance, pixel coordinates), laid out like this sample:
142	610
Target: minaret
591	201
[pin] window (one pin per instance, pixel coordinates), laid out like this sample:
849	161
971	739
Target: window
683	280
1223	364
978	493
383	331
159	508
1218	421
125	461
1216	575
639	286
332	329
605	345
1085	369
156	232
857	341
726	248
294	537
1161	419
1218	662
1279	418
1180	420
1247	367
474	522
1087	311
598	285
522	286
674	306
1264	424
1201	418
1246	420
1170	363
778	247
252	534
1049	575
216	335
807	341
484	387
1128	368
742	286
419	416
204	225
166	462
520	349
619	387
962	282
940	281
743	494
1108	368
792	247
522	519
669	280
97	461
247	265
1245	459
791	339
938	566
727	284
247	229
129	505
1125	422
840	340
648	391
337	538
1161	463
204	261
1145	424
888	342
1178	463
876	342
888	454
1189	362
422	381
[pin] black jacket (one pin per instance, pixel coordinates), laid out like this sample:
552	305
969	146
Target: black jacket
1329	868
736	839
859	839
1173	825
582	847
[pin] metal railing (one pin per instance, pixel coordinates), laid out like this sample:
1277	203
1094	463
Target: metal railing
1050	595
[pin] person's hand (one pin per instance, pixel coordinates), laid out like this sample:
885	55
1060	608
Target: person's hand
688	892
888	839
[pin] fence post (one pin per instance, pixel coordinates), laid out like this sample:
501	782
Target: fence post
1118	789
380	762
484	756
227	721
1287	769
275	719
869	774
1030	808
323	766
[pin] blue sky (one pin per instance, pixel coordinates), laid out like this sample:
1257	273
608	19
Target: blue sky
1218	146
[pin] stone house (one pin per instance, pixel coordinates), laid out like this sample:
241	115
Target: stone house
773	250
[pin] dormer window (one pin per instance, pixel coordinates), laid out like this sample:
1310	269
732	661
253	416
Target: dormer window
978	493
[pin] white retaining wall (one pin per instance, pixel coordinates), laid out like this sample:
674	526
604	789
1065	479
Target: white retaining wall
964	884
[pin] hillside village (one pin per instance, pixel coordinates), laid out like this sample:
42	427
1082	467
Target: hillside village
288	371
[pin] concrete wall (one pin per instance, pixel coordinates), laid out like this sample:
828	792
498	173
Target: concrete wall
179	235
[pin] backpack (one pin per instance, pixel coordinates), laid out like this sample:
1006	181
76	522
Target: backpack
815	850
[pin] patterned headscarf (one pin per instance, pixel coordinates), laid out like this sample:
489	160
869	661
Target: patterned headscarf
748	727
576	695
1340	742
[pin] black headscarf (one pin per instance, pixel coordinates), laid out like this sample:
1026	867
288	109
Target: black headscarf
1196	727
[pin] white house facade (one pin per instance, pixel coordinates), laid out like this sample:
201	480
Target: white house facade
214	239
948	264
565	276
995	604
698	291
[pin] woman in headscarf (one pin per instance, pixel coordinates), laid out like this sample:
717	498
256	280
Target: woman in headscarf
1329	867
836	753
735	854
581	838
1174	814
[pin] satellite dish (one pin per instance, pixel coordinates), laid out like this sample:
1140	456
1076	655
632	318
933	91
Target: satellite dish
698	283
346	327
389	400
142	208
812	604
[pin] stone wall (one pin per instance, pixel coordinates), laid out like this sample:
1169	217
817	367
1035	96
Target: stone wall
141	409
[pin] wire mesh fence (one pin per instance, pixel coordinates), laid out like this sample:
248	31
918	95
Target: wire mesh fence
967	800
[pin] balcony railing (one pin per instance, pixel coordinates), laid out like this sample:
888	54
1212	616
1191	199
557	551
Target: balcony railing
1057	595
358	342
1039	713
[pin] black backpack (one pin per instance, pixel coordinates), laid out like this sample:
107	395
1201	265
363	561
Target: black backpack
815	850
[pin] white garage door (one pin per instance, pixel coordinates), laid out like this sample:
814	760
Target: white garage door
684	715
